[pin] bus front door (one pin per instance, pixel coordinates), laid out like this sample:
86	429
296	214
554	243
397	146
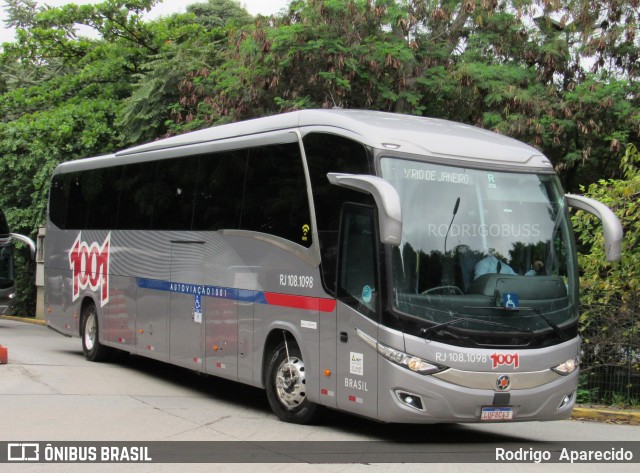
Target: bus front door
357	310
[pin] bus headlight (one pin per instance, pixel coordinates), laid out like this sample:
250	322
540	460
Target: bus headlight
12	295
412	363
567	367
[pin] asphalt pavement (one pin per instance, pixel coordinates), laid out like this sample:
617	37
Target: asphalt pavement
580	412
50	393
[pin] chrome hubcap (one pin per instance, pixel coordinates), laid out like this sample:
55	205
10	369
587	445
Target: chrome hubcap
90	332
290	382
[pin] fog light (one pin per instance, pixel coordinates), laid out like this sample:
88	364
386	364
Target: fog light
411	400
565	400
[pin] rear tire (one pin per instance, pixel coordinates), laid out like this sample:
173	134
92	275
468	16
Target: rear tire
286	386
91	347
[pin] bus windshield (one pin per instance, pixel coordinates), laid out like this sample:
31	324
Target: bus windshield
486	257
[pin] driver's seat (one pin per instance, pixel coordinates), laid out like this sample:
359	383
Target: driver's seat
467	261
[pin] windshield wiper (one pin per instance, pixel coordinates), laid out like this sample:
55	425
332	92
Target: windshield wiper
535	310
425	331
550	323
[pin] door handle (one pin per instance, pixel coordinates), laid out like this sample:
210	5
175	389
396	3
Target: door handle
344	337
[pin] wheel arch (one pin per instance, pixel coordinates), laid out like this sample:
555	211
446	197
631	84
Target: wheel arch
84	303
275	337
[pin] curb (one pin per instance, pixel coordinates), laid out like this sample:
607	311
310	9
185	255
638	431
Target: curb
27	320
604	415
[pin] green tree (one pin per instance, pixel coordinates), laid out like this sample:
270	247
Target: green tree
610	317
62	94
68	107
559	75
194	44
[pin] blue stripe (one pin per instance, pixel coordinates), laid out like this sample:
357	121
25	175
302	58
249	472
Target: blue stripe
198	289
239	295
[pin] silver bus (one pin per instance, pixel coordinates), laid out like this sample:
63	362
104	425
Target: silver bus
7	269
399	268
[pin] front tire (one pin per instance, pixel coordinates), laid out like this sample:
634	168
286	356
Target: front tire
91	347
286	386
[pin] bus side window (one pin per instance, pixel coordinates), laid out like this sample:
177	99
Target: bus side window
58	198
275	196
357	275
332	153
137	192
174	194
219	190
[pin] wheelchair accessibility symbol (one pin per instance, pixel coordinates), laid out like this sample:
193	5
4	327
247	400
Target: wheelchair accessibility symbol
510	300
197	309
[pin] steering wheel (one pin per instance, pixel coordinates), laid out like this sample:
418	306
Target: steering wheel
443	291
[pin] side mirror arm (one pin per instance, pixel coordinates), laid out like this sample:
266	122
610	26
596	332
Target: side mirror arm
28	241
387	201
610	223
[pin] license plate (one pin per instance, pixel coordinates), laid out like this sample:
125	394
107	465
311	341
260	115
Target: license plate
497	413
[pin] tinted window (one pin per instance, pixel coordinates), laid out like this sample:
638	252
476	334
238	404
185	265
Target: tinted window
262	189
219	190
158	195
85	199
137	196
76	216
58	200
358	284
275	200
174	193
101	197
330	153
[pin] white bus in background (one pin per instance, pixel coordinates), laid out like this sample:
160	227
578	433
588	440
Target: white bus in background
400	268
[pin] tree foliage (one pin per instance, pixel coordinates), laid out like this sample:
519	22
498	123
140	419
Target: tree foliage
66	97
194	42
560	75
610	319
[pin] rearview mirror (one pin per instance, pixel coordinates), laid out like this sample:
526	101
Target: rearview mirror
387	201
610	223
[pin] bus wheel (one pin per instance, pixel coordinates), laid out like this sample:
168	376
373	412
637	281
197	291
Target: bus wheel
286	386
91	347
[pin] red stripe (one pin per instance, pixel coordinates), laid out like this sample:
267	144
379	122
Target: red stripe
327	305
300	302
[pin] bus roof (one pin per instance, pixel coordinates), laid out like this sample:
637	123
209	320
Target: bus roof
402	133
